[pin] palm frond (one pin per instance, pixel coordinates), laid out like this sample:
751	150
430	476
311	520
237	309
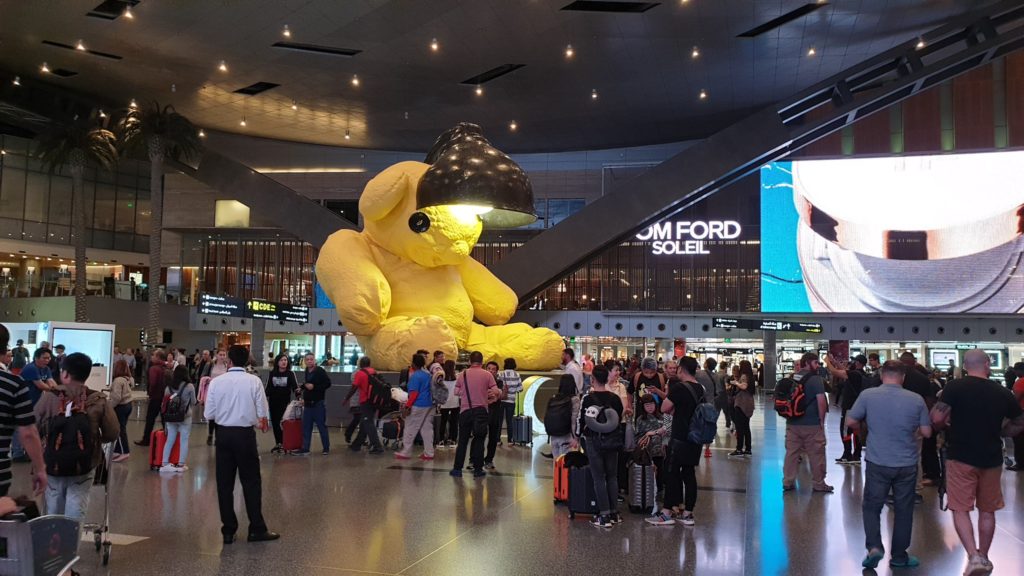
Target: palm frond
61	141
178	136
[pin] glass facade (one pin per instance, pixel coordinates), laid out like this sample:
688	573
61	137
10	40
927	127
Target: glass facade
36	205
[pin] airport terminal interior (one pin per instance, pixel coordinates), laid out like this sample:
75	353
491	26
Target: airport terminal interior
215	216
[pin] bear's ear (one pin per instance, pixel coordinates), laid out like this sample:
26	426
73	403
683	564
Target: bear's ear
387	189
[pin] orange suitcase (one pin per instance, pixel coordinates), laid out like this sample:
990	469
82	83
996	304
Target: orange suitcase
561	480
156	449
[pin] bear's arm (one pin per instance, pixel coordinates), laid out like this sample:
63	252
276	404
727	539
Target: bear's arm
493	301
349	274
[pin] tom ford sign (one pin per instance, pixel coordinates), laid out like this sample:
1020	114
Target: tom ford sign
688	237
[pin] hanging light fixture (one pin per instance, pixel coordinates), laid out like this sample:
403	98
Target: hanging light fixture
294	105
348	136
355	80
242	123
469	174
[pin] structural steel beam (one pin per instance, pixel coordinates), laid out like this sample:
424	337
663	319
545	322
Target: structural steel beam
965	43
293	212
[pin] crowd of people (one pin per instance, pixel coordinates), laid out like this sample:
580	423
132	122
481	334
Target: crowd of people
912	427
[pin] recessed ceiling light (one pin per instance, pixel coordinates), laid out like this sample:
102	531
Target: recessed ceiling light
434	45
920	43
223	66
695	53
17	81
295	106
44	68
347	135
513	126
286	32
703	95
355	80
132	104
128	12
201	133
3	153
242	123
569	52
102	114
593	94
80	46
811	51
479	90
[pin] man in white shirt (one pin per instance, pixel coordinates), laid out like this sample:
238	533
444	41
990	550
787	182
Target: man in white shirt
237	403
571	366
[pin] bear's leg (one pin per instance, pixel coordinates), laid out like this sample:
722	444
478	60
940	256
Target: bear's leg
392	347
532	348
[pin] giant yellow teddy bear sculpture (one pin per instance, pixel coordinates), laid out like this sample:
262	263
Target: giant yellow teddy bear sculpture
399	290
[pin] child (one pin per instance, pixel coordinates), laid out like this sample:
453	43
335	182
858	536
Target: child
650	432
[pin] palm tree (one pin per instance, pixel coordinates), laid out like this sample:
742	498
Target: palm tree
74	145
160	133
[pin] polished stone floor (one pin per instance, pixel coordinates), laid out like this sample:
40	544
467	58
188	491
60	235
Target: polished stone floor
359	514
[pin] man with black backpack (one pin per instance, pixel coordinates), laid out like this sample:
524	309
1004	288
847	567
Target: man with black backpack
74	422
370	385
805	428
684	403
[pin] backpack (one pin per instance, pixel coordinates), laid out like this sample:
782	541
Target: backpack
69	443
438	391
704	422
175	409
790	399
558	418
380	391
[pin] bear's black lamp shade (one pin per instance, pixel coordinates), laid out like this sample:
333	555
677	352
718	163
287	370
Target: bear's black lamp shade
466	171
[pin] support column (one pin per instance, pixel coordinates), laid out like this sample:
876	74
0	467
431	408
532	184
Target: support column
259	337
771	360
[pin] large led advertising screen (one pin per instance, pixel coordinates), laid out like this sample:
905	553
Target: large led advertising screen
911	234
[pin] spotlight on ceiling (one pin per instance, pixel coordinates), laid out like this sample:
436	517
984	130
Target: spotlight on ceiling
223	66
569	52
44	68
434	45
242	123
128	12
80	46
811	51
355	80
286	32
348	136
294	105
593	94
513	126
17	81
133	105
695	53
202	134
703	95
479	90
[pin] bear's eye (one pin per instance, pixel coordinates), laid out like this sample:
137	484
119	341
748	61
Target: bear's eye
419	222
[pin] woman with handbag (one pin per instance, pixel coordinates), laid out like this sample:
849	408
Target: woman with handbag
281	389
603	433
121	400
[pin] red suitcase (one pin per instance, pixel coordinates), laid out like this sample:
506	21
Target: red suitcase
292	430
156	449
561	480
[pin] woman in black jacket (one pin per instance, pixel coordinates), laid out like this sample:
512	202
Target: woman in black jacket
281	389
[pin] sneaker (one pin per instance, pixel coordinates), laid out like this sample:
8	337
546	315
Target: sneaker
660	519
872	559
400	456
426	458
168	468
479	473
600	521
455	473
842	461
855	461
488	465
688	519
301	452
908	562
977	566
615	518
277	449
326	452
180	468
736	453
747	453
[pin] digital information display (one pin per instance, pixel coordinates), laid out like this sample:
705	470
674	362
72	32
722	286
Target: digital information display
772	325
908	234
259	309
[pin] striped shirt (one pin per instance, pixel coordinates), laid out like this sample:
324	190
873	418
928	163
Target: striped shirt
15	410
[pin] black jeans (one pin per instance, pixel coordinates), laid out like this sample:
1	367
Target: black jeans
237	454
604	468
469	428
449	427
742	422
930	458
494	415
277	408
851	442
123	411
353	424
367	429
152	411
509	409
680	481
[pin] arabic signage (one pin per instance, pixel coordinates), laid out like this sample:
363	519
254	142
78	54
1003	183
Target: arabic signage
766	324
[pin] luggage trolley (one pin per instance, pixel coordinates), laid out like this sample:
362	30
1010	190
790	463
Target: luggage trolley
43	546
101	531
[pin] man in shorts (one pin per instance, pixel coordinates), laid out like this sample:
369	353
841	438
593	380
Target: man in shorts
973	409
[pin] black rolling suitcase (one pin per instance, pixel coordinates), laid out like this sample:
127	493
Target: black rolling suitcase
522	430
582	497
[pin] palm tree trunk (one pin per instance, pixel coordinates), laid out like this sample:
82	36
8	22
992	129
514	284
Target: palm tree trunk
154	334
78	195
